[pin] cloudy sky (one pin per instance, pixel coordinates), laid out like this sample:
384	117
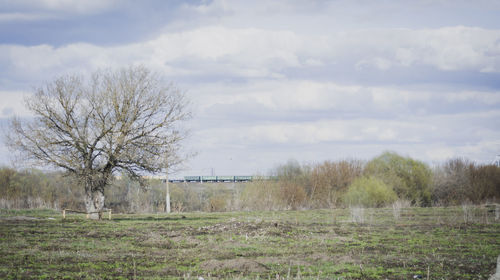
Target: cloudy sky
276	80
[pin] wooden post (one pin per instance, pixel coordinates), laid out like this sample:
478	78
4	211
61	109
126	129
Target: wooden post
167	195
64	213
109	214
167	198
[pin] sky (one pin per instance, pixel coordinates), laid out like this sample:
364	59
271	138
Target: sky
271	81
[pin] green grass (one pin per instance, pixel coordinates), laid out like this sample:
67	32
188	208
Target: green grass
316	244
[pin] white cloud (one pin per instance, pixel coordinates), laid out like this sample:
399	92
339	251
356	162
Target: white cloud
264	77
483	151
88	6
13	104
357	130
252	52
71	6
362	129
456	48
447	48
37	10
246	53
320	131
430	138
451	48
294	96
377	62
282	95
487	98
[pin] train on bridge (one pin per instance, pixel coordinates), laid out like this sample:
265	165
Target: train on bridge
213	179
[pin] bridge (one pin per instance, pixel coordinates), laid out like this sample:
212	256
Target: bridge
212	179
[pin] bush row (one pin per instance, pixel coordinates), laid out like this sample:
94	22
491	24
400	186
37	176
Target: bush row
376	183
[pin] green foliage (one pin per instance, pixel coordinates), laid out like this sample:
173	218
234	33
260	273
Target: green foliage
369	192
411	179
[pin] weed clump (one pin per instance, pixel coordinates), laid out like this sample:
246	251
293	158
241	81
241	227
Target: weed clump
357	214
467	209
397	206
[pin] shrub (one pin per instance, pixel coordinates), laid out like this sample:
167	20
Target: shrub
293	181
451	181
485	183
329	181
216	197
293	194
460	180
261	195
217	203
369	192
411	179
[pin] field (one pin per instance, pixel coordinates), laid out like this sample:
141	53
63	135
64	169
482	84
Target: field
431	243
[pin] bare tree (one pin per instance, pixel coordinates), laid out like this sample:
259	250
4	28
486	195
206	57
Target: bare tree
124	121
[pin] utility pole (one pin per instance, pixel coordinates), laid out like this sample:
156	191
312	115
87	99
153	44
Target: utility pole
167	198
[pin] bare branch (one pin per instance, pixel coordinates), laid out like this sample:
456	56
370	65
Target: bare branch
125	120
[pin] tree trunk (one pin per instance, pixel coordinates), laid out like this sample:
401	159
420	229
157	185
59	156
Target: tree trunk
94	202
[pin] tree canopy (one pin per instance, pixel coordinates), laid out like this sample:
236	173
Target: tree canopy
124	120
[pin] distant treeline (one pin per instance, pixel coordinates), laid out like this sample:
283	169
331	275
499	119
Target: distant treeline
379	182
